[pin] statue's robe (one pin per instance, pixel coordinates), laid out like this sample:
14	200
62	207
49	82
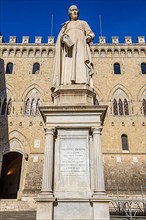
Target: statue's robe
73	64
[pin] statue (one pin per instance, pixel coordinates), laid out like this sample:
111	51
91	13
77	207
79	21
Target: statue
72	63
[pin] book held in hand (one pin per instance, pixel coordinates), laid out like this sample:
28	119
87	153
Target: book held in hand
66	39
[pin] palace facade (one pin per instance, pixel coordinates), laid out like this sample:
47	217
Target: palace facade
25	82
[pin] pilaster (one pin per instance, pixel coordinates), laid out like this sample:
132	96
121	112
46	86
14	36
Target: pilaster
99	185
46	198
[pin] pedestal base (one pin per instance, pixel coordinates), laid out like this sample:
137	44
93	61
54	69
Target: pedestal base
73	210
100	207
45	207
74	95
81	209
44	211
74	160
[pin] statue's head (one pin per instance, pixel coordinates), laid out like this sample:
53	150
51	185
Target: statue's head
73	12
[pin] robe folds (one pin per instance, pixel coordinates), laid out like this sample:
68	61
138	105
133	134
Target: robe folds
73	65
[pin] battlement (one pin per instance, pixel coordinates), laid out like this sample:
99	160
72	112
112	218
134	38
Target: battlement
101	40
100	49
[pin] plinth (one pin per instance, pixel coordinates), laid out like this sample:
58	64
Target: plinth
73	175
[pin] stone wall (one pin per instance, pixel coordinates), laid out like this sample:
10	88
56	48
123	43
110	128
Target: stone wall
124	170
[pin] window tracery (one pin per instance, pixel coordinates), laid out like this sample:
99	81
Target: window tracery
120	103
33	107
126	108
32	103
37	106
27	107
144	106
4	106
115	107
9	107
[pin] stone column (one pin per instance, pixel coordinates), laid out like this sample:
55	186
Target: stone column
48	162
99	185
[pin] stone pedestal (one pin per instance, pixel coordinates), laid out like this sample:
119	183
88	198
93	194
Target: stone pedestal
74	95
73	175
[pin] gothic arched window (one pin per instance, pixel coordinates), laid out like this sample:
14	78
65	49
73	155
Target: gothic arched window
27	107
3	111
117	69
32	101
126	108
36	68
120	107
9	68
143	68
124	140
115	107
144	106
9	106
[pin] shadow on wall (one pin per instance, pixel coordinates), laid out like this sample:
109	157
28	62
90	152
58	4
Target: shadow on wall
10	162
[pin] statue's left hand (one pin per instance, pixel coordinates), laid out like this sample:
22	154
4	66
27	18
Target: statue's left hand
88	39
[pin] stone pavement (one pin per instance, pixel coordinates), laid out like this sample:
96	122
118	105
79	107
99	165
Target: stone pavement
29	215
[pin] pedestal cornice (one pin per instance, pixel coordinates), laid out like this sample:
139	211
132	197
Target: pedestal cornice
53	110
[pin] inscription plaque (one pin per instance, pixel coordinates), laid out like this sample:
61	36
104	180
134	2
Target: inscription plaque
73	157
72	163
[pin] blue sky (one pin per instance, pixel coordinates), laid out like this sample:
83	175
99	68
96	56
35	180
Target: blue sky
33	17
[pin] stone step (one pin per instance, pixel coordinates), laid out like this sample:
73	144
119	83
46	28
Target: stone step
15	205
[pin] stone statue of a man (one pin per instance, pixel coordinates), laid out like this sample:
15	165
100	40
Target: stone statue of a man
72	64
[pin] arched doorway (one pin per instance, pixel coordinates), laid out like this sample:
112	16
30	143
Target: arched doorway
10	175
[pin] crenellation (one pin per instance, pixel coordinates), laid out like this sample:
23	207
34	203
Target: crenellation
128	40
115	39
25	39
1	39
12	39
51	40
38	40
141	39
102	40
